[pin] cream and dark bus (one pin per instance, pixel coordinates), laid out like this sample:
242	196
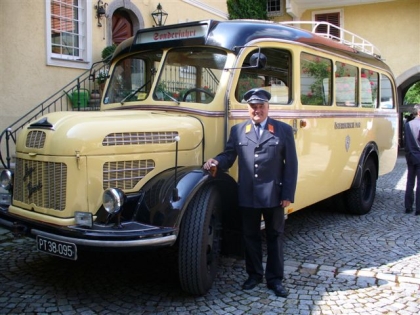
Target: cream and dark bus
130	177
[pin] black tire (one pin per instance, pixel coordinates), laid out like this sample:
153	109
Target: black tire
360	200
200	242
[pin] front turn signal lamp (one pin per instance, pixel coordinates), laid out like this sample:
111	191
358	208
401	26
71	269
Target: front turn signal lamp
83	218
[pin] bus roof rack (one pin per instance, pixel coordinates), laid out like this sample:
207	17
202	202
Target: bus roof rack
327	30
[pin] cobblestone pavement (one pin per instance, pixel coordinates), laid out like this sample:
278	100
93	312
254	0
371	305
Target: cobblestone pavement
335	264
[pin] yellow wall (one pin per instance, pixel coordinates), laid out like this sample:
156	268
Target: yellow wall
393	27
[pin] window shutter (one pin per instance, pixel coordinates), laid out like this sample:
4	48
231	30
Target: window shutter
333	18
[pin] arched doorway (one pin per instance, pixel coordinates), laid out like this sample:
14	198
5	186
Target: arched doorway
125	19
404	82
122	26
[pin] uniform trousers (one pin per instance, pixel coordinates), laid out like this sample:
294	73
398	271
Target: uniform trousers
274	228
413	172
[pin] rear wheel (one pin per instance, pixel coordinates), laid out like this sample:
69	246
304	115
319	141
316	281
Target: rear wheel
200	241
359	200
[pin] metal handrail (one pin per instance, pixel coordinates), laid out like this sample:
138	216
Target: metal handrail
346	37
59	101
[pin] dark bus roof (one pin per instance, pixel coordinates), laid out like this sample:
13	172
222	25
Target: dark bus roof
233	34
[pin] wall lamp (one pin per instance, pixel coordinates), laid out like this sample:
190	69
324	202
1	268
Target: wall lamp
159	16
100	11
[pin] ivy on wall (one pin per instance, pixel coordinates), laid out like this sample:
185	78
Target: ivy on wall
247	9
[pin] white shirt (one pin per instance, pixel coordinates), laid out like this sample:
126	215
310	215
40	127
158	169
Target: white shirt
262	127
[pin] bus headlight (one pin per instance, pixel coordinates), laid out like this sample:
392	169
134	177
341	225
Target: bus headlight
6	179
113	200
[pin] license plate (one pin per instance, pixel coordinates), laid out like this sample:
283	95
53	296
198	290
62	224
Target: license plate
57	248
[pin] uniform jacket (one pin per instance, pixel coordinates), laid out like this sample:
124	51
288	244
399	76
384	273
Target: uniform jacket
411	148
267	167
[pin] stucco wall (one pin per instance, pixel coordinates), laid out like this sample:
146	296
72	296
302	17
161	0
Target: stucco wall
393	27
26	80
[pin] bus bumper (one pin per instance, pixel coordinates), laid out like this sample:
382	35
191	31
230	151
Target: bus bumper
127	237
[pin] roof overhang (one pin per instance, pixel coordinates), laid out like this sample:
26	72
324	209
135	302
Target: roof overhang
297	7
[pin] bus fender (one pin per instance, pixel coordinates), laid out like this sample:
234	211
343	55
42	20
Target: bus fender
370	151
165	210
164	202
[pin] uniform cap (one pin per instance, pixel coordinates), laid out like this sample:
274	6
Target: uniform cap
256	95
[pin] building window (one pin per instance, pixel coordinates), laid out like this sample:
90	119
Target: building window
67	38
274	8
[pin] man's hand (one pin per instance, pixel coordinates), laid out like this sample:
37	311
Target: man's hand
285	203
209	163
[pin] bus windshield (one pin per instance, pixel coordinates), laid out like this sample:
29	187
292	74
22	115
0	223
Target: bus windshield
132	77
190	75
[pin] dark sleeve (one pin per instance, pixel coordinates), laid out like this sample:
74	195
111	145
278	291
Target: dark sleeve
407	133
290	165
228	156
412	150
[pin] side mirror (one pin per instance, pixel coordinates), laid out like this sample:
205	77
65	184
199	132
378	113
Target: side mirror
258	60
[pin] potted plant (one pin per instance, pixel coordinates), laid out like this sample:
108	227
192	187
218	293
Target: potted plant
101	77
107	52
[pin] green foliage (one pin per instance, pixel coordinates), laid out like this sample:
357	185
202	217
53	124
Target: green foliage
108	51
413	94
247	9
101	76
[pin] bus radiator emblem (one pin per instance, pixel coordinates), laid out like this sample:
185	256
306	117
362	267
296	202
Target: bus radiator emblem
347	143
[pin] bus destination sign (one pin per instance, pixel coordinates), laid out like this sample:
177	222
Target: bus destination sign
187	32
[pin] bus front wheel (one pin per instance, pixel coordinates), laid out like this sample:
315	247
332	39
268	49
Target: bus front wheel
359	200
200	241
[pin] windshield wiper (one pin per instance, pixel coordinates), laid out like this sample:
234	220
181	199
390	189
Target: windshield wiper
134	93
171	97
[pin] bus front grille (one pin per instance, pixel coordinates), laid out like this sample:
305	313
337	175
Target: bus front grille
125	174
136	138
41	183
35	139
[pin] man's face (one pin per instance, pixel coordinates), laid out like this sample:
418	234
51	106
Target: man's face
258	112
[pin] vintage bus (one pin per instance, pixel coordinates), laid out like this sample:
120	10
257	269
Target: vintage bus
130	176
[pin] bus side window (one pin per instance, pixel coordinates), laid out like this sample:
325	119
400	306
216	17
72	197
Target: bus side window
387	99
315	80
345	84
279	93
369	88
246	82
274	77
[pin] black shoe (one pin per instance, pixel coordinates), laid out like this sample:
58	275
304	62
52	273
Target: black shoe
409	210
278	289
251	283
417	213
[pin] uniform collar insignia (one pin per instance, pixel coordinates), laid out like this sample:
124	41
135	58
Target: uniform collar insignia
248	128
271	128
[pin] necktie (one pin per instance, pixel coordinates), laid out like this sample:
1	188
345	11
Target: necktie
257	129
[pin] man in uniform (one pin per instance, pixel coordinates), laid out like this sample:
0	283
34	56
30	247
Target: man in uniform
267	180
412	155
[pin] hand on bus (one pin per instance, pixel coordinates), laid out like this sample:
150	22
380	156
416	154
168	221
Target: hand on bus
285	203
209	163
